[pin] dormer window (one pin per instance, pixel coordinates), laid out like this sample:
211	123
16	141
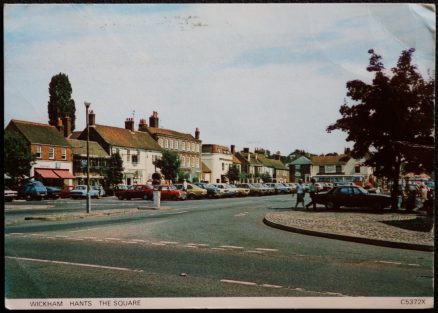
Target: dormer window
38	152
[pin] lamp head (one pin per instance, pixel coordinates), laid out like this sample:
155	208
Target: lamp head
87	104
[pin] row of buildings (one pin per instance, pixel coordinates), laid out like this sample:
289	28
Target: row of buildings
61	154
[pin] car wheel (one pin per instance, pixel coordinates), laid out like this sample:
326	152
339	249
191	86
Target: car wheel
378	206
331	205
120	197
190	197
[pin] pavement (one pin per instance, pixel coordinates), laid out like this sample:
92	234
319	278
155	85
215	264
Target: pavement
414	231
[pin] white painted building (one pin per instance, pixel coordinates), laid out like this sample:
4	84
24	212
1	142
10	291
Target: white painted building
219	160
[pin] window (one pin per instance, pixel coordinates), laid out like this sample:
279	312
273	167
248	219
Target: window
134	159
176	144
197	162
38	152
128	155
322	169
183	161
338	169
166	143
160	142
344	191
223	166
297	167
170	143
64	154
183	145
193	147
51	153
197	147
193	161
357	169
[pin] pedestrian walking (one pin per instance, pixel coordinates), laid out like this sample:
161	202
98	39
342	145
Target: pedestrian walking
185	185
312	191
300	193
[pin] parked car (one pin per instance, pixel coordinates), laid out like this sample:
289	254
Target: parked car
32	190
293	187
80	191
10	194
239	191
225	190
263	189
212	191
352	196
193	191
253	190
171	193
279	188
319	186
144	192
65	192
53	192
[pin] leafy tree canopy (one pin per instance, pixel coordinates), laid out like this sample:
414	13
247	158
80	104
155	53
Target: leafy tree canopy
60	102
169	164
233	173
18	159
114	170
398	106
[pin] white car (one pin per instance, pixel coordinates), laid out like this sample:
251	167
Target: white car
224	189
10	194
80	191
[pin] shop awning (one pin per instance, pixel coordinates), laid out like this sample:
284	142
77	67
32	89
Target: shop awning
63	174
46	173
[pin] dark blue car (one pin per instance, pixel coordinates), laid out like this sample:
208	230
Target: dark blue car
32	190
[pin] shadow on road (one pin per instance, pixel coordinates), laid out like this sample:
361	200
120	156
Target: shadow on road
422	224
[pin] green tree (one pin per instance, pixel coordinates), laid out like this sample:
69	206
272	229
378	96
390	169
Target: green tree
183	175
169	164
60	102
18	159
266	177
233	173
398	106
114	171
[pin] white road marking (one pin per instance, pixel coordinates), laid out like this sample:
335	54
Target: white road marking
266	249
271	286
58	236
169	242
158	244
218	249
190	246
75	239
110	238
139	240
389	262
97	239
76	264
231	247
129	242
238	282
88	237
413	264
16	234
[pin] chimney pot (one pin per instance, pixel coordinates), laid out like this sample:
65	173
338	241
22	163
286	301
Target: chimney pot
233	149
91	118
197	133
67	127
129	124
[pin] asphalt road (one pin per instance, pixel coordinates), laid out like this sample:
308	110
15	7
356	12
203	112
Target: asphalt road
198	248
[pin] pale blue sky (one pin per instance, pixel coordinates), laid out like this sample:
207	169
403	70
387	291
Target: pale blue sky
252	75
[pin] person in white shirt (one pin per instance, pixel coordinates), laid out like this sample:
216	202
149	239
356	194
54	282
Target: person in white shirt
300	193
312	192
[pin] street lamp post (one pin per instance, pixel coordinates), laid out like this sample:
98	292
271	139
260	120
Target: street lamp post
87	105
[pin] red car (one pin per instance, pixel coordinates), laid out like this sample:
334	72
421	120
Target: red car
137	191
65	192
146	192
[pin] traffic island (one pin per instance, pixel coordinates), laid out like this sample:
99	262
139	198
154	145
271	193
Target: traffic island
375	229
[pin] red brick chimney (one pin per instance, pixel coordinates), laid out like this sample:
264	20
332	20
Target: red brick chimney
67	126
91	118
233	149
197	133
142	126
153	119
59	126
129	124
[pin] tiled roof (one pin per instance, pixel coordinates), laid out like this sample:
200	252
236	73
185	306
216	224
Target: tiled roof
169	132
236	160
205	168
79	147
37	133
330	159
243	157
122	137
75	135
277	164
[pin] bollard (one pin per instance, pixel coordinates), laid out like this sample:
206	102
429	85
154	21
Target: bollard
157	198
